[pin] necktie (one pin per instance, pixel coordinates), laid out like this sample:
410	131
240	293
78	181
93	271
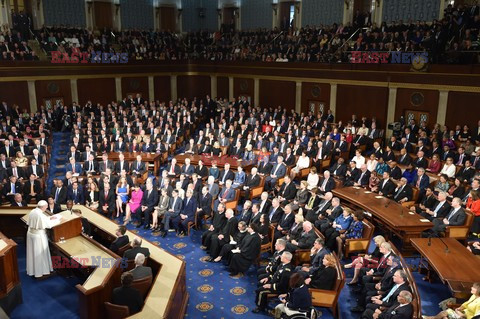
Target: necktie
56	194
224	175
392	291
454	210
272	213
310	201
34	169
418	181
106	195
460	159
75	195
437	209
276	169
399	191
73	169
225	193
91	166
360	179
13	188
188	200
31	188
15	172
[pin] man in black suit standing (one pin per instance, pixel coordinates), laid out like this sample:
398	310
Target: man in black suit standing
106	201
204	206
149	200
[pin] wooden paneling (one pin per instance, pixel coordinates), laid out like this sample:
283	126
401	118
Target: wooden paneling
417	100
462	108
222	87
315	92
275	93
53	89
167	18
193	86
15	93
362	101
243	86
96	90
135	85
103	14
162	88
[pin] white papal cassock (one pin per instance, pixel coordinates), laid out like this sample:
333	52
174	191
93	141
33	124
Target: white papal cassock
39	262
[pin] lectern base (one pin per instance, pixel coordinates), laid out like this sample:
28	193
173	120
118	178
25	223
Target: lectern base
12	299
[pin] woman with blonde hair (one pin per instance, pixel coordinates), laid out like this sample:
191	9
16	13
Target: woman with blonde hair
467	310
370	260
122	194
21	160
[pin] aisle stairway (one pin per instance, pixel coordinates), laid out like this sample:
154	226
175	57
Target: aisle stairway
58	158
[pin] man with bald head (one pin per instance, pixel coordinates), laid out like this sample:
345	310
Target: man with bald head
363	178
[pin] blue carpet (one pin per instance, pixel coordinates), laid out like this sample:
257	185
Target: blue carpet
55	297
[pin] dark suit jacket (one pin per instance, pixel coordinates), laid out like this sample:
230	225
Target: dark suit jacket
228	175
36	187
131	253
128	296
80	198
140	168
86	166
110	200
388	189
288	192
276	216
364	180
39	169
341	170
406	192
423	183
286	221
323	278
118	243
404	312
252	181
328	186
404	160
126	167
62	196
152	200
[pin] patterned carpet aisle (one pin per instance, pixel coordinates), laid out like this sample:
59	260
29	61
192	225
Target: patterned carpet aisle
58	158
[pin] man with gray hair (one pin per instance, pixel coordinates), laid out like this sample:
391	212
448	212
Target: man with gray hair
131	253
140	271
404	192
275	284
306	240
274	262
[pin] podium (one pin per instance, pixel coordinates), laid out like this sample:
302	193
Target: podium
70	226
10	287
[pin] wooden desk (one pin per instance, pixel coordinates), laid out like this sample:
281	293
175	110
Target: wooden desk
458	268
221	161
396	218
168	296
10	287
146	157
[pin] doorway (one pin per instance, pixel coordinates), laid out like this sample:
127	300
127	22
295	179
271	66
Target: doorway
418	116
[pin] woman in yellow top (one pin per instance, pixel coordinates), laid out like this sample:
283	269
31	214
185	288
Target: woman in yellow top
21	160
467	310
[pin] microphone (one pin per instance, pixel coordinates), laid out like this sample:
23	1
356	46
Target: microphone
429	240
446	246
388	203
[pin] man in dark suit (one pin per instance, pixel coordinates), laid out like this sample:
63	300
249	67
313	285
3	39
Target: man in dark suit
120	146
403	193
252	180
395	171
285	222
138	167
32	189
18	201
126	295
404	158
306	240
264	205
225	174
174	210
59	193
287	191
187	168
275	213
246	213
402	309
467	172
76	194
90	166
173	169
121	239
106	201
326	219
363	177
34	169
326	184
439	209
136	249
386	187
180	223
149	200
122	164
339	169
204	206
15	171
420	161
226	194
456	217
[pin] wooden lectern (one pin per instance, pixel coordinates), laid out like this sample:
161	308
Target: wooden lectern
69	227
10	288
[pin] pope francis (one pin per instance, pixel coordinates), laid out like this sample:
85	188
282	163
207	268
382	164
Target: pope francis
39	262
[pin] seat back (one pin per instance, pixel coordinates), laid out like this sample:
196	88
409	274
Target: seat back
123	249
258	190
143	285
116	311
234	202
461	232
